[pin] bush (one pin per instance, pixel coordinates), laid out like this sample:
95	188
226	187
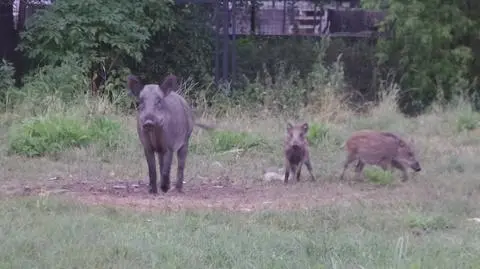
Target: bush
6	80
52	134
49	87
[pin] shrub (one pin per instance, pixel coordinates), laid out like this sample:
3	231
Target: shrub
6	80
55	133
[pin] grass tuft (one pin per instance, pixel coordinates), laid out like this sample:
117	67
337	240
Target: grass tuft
378	176
52	134
228	140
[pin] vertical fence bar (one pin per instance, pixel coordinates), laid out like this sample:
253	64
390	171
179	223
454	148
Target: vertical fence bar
225	41
217	39
234	40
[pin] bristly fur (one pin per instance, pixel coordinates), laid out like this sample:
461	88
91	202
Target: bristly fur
296	150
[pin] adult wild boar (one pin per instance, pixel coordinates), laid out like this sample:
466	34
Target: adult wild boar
164	125
296	151
384	149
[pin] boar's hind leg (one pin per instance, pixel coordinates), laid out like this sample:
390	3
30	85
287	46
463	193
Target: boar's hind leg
165	164
309	168
350	159
181	158
152	170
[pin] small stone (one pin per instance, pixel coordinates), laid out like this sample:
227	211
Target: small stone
270	176
119	187
59	191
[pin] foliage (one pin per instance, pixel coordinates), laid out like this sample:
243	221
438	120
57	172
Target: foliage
6	75
97	31
6	79
317	133
47	85
102	34
428	49
51	134
185	49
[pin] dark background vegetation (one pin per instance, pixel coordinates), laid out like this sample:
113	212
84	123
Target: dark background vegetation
432	52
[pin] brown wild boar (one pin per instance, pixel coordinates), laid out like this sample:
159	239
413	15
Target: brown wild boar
164	125
296	151
383	149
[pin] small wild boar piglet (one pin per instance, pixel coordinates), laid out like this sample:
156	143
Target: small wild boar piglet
164	125
296	151
379	148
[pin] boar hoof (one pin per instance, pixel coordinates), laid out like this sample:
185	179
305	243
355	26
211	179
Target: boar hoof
179	190
164	188
153	190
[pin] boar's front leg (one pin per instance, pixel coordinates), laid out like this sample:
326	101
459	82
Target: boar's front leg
165	164
152	170
181	158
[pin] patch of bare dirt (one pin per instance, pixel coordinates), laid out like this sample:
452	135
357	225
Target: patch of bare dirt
274	195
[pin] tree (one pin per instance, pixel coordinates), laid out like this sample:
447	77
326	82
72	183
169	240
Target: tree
429	51
101	33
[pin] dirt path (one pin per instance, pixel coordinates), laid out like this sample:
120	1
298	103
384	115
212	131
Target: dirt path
274	195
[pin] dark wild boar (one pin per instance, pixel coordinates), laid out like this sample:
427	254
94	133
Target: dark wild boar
164	125
384	149
296	151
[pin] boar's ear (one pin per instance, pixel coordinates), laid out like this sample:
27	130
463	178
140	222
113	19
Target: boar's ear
411	141
401	143
305	127
169	84
289	126
134	85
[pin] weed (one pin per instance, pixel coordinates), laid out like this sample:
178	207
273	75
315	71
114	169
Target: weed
378	176
228	140
317	133
56	133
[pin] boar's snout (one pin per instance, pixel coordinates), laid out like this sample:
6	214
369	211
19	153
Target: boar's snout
296	146
416	167
148	125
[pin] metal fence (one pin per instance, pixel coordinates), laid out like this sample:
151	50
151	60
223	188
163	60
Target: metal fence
308	18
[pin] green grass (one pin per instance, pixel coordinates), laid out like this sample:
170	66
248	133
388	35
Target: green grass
50	233
378	176
56	133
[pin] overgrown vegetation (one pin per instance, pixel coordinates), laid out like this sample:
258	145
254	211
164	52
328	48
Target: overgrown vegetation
56	133
422	223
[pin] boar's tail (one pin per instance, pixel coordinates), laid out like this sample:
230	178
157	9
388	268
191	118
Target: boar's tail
204	126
